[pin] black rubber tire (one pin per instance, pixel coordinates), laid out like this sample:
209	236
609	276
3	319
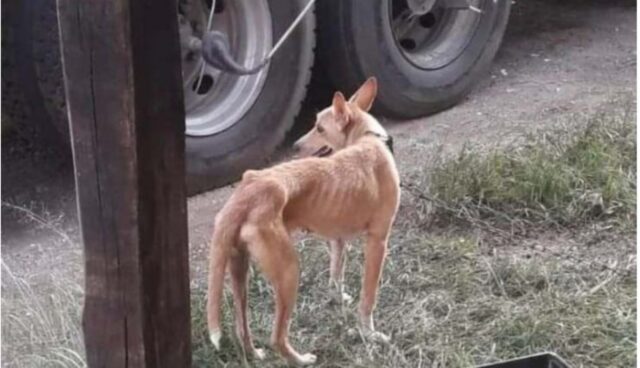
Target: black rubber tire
33	71
211	161
221	158
356	42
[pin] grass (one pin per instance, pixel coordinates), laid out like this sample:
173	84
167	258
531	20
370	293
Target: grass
453	298
562	178
456	302
41	325
446	303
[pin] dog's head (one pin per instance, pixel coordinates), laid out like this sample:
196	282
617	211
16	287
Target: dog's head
334	124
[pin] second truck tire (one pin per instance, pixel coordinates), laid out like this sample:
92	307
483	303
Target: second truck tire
424	62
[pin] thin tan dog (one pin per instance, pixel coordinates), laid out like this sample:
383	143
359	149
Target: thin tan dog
350	187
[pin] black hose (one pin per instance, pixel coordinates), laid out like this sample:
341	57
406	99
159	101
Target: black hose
215	51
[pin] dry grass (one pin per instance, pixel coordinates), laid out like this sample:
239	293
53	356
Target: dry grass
41	310
446	303
41	321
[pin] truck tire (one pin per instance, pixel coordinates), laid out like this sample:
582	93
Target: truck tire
424	63
233	123
219	158
32	72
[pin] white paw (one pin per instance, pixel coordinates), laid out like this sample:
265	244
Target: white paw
259	354
346	298
378	337
338	297
215	336
306	359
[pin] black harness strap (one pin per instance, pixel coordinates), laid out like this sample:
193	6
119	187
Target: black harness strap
387	139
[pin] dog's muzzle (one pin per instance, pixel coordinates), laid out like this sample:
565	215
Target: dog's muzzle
323	151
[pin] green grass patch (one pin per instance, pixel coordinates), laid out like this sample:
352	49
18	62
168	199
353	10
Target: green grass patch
563	177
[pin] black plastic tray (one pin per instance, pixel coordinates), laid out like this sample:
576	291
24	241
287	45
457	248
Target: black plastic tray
544	360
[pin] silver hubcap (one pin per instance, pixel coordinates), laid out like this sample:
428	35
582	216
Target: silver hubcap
429	33
220	99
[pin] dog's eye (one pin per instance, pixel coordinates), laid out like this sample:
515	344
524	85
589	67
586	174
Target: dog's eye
320	129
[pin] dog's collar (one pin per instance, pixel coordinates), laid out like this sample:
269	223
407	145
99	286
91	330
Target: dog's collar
387	139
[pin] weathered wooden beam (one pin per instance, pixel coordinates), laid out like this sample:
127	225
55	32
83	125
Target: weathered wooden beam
124	95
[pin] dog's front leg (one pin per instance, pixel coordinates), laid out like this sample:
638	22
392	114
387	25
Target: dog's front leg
338	249
374	255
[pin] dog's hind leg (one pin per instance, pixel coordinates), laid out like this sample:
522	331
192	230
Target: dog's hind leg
278	260
374	255
338	249
239	270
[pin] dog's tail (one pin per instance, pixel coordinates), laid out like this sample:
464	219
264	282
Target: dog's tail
225	236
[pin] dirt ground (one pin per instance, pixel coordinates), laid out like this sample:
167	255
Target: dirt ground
558	59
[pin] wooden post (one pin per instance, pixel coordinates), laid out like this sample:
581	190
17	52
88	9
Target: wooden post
124	95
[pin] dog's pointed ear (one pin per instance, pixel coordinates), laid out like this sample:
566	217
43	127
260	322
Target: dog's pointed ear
341	109
366	94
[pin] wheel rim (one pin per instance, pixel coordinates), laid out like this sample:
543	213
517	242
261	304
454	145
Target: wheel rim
222	99
435	38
